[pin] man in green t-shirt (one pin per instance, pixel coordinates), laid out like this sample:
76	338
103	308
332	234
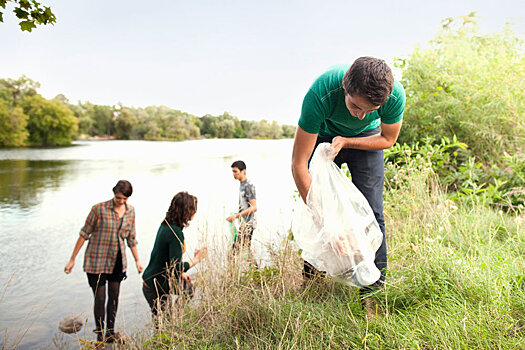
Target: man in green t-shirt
359	110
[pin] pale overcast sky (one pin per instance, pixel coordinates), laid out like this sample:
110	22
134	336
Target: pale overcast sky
254	59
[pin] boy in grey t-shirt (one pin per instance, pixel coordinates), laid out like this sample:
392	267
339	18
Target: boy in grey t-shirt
247	206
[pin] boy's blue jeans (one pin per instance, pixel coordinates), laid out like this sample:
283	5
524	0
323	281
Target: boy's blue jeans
368	175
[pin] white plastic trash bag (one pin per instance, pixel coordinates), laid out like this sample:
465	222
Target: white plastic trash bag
337	230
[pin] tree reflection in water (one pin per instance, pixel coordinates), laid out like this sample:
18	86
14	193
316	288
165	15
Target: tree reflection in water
21	180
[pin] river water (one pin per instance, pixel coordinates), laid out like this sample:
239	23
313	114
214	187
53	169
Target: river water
46	194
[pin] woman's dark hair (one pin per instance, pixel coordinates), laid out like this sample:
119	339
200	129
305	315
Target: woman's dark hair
371	78
124	187
182	208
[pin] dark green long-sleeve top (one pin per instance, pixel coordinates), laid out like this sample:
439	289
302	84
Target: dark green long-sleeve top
167	252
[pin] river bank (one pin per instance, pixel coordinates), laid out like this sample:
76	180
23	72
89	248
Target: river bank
455	281
46	194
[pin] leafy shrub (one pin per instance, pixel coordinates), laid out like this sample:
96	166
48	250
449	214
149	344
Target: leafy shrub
502	186
470	85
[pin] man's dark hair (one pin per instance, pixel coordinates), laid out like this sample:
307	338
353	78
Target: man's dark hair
182	208
124	187
239	164
370	78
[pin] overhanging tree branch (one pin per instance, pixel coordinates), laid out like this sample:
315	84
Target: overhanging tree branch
30	13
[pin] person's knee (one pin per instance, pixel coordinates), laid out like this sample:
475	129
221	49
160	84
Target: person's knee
114	290
99	293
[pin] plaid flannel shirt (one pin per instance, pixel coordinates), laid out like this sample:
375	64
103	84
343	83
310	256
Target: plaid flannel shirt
105	238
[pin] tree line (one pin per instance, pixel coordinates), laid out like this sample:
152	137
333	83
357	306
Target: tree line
464	84
28	119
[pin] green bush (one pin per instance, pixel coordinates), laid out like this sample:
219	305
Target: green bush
501	186
470	85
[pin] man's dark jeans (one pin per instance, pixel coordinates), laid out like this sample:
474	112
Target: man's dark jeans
368	175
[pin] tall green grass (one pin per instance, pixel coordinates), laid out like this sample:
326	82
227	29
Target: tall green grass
456	280
457	275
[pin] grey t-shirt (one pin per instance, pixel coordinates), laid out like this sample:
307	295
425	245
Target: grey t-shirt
246	193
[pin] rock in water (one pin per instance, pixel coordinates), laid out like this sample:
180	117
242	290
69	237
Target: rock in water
71	324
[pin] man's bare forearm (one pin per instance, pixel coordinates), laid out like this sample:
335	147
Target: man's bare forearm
369	143
303	147
302	179
247	212
386	139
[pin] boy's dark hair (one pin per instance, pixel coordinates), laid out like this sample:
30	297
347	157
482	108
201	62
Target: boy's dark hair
239	164
371	78
181	209
124	187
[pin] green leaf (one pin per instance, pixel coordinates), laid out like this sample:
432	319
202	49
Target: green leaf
1	17
50	16
22	14
26	4
2	3
27	25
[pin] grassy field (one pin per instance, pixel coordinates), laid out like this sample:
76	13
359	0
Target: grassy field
456	280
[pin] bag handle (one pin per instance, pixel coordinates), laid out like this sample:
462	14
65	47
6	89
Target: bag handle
183	244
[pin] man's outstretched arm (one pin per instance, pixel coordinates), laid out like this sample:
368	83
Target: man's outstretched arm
386	139
304	144
251	209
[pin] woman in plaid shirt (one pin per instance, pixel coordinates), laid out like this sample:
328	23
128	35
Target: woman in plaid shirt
107	226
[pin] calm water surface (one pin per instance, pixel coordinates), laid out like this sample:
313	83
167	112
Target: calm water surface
46	194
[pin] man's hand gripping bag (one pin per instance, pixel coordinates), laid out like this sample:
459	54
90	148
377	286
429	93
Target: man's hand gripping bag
336	229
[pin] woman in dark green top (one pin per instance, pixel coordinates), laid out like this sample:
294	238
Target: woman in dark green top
166	263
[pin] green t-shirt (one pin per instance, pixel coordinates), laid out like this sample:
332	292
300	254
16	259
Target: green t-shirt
324	111
167	251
